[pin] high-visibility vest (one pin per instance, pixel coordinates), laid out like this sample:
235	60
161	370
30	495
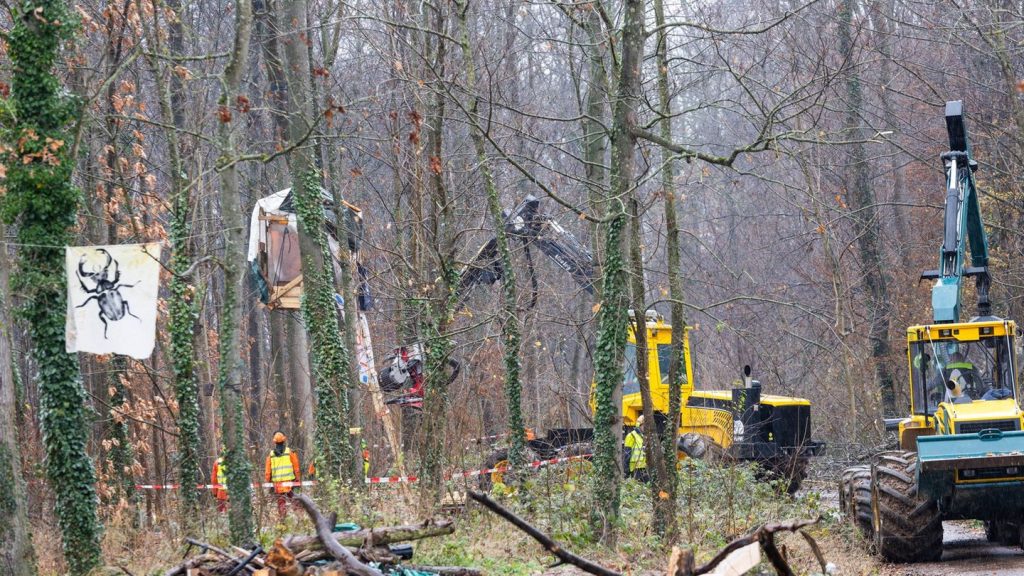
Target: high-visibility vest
281	466
222	480
637	458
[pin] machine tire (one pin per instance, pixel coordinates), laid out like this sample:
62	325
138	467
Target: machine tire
855	500
575	468
907	528
498	457
1002	532
701	447
991	531
794	472
842	490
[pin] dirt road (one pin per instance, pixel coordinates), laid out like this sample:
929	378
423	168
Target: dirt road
966	553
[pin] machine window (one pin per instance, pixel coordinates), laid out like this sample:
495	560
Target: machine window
664	357
630	385
960	372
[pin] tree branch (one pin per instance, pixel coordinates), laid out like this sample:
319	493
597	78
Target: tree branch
323	531
764	535
550	545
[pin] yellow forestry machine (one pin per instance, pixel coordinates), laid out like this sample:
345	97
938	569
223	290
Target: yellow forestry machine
741	424
961	450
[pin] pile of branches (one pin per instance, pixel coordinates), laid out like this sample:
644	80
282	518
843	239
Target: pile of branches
365	552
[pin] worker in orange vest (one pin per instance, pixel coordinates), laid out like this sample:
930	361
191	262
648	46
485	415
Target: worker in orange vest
282	467
220	480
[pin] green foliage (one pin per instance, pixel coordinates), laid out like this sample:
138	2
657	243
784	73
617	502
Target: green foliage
8	505
438	349
181	325
608	370
335	456
716	505
44	203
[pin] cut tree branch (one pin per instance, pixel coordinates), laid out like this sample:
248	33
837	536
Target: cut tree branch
323	531
549	544
765	535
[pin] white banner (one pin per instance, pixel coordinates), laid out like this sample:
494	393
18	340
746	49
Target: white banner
112	298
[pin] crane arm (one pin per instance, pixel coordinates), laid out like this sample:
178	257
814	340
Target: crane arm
527	224
962	227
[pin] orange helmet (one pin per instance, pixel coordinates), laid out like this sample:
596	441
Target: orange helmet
279	438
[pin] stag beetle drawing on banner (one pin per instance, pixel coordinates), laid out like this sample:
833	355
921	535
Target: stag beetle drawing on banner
107	291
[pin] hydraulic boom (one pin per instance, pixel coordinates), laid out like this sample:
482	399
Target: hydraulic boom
962	224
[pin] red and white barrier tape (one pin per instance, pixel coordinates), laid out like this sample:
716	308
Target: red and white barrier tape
376	479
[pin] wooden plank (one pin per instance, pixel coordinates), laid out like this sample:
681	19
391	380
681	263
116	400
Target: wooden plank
273	218
287	296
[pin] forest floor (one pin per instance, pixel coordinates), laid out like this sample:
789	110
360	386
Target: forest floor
715	506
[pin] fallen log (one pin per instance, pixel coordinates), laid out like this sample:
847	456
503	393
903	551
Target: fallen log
323	531
375	536
193	562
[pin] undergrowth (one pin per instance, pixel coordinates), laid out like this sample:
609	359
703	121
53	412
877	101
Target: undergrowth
716	504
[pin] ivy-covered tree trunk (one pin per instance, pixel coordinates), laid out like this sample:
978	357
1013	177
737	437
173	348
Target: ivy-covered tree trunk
664	516
181	308
16	552
335	457
511	333
612	318
229	381
121	453
43	202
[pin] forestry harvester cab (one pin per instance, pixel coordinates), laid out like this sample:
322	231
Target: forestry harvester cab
961	450
742	424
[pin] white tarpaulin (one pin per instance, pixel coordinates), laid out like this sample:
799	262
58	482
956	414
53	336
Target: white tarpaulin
112	298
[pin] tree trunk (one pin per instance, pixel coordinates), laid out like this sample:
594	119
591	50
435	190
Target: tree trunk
438	310
595	138
301	411
664	518
865	214
612	332
16	553
652	447
182	312
511	337
335	457
230	375
41	197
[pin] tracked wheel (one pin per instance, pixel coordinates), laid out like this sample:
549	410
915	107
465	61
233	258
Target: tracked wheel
701	447
855	497
580	465
907	527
